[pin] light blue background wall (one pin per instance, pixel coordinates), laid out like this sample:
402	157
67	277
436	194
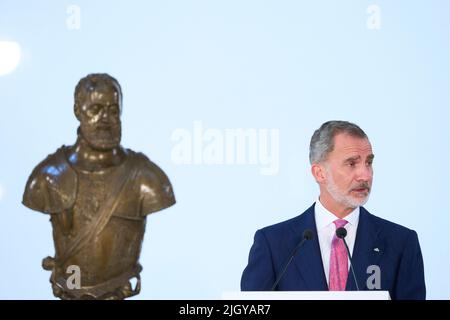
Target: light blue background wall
286	65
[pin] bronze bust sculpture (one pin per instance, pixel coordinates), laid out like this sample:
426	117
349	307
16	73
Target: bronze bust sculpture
98	195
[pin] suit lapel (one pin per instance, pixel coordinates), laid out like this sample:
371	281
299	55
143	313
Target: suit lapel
367	251
308	259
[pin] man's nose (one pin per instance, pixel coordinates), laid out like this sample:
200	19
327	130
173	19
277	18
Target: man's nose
105	116
365	173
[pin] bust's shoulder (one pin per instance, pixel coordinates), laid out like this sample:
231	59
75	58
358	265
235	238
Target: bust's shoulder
52	165
53	178
154	185
148	170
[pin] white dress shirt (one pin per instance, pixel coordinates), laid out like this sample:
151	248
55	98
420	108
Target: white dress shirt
326	230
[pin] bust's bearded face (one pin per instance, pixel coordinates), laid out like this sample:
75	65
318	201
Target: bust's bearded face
99	116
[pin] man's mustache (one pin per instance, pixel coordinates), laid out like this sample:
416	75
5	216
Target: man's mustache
103	132
106	127
362	185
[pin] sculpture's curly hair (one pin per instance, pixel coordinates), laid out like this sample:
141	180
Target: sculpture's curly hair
93	81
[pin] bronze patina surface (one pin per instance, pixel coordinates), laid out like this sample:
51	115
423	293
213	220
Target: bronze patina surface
98	195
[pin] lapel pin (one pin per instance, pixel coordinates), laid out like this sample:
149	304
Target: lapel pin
376	249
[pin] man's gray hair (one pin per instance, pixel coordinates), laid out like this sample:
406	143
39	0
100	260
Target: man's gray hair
322	141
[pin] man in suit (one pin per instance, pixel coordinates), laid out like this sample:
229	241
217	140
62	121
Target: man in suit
385	255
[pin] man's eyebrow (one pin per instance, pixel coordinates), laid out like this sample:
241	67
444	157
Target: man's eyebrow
356	158
352	159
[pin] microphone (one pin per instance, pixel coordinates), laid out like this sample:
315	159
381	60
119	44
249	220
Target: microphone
341	233
307	235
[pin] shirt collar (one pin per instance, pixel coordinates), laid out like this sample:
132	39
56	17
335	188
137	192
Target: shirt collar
324	217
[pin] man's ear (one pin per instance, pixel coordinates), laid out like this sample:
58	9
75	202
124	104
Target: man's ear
318	172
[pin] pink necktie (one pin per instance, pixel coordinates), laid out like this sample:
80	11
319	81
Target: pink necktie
338	261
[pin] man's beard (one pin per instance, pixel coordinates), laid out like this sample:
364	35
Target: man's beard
102	138
345	198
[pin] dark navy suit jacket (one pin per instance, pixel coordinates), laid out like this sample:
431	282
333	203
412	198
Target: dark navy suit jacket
391	247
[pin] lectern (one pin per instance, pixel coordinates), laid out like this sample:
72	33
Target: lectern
307	295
